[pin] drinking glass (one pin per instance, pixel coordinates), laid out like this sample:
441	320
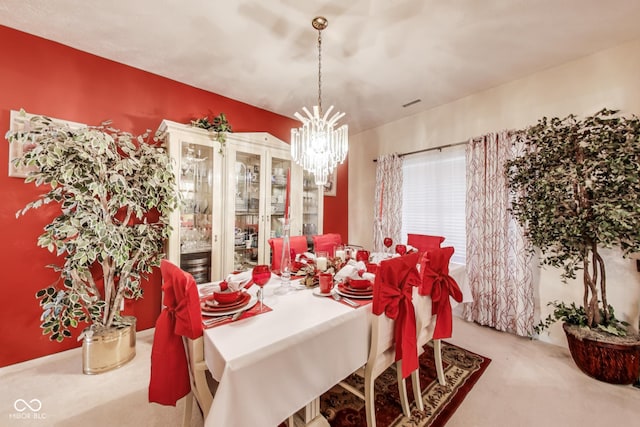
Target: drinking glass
261	275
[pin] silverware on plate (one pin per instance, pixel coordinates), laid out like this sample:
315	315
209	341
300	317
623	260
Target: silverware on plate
215	320
339	297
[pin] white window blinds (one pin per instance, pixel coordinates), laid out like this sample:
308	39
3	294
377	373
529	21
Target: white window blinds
433	200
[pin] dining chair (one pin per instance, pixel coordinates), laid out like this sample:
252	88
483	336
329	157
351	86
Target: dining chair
297	243
393	332
326	242
424	242
177	356
439	286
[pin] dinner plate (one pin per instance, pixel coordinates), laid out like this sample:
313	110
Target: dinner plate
348	295
345	293
317	293
252	301
351	292
359	291
211	303
246	302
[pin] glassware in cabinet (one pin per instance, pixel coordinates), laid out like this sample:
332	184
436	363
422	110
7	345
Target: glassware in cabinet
193	243
280	172
312	205
247	186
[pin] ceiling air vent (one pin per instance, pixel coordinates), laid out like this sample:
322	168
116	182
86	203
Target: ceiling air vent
415	101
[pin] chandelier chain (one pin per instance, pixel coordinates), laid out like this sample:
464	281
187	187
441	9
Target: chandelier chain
320	71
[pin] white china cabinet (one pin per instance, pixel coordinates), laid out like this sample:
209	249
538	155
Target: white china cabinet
233	199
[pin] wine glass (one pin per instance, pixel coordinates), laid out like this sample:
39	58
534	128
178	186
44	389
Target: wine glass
401	249
261	275
388	242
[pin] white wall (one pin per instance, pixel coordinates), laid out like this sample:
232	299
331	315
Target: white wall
607	79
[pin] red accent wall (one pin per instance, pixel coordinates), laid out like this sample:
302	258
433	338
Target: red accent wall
336	208
45	77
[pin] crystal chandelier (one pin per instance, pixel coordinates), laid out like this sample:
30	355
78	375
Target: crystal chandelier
316	145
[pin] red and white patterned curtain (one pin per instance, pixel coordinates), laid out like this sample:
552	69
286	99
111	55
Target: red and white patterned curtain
387	220
498	260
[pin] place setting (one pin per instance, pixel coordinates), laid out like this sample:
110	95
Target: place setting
230	301
351	285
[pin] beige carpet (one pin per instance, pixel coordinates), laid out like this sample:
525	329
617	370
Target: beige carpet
528	383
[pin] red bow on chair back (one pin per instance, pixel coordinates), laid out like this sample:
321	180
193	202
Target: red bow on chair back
392	291
181	316
434	269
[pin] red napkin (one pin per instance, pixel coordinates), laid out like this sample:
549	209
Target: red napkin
392	292
253	311
434	269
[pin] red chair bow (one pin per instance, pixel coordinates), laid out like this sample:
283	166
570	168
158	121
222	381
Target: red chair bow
434	269
392	292
180	317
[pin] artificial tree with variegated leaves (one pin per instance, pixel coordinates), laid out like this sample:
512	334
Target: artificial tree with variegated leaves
115	192
576	190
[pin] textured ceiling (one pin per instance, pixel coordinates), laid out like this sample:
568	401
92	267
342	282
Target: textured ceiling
377	54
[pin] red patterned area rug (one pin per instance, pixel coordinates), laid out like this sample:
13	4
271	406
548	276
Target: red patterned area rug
462	370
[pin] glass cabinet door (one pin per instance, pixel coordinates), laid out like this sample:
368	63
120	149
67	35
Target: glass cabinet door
312	203
247	229
279	172
195	184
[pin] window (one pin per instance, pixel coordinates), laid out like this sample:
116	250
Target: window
433	197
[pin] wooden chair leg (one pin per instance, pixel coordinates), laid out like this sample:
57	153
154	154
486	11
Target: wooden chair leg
369	400
402	390
188	410
437	352
417	391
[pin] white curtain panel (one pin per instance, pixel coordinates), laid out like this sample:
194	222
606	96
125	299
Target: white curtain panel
387	220
499	264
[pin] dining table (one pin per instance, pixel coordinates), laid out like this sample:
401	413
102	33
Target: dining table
279	362
273	364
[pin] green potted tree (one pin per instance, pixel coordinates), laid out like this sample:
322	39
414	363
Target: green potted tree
115	193
576	190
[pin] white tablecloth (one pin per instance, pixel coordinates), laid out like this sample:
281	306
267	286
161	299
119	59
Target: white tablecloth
273	364
270	365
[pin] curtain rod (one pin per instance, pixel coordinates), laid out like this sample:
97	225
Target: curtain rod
424	150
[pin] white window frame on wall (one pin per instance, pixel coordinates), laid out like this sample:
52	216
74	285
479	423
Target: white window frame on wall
433	197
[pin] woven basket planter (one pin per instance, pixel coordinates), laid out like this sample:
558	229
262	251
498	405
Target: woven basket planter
611	363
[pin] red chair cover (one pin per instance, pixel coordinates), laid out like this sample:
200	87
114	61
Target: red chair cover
434	269
392	291
298	245
424	242
326	242
181	316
